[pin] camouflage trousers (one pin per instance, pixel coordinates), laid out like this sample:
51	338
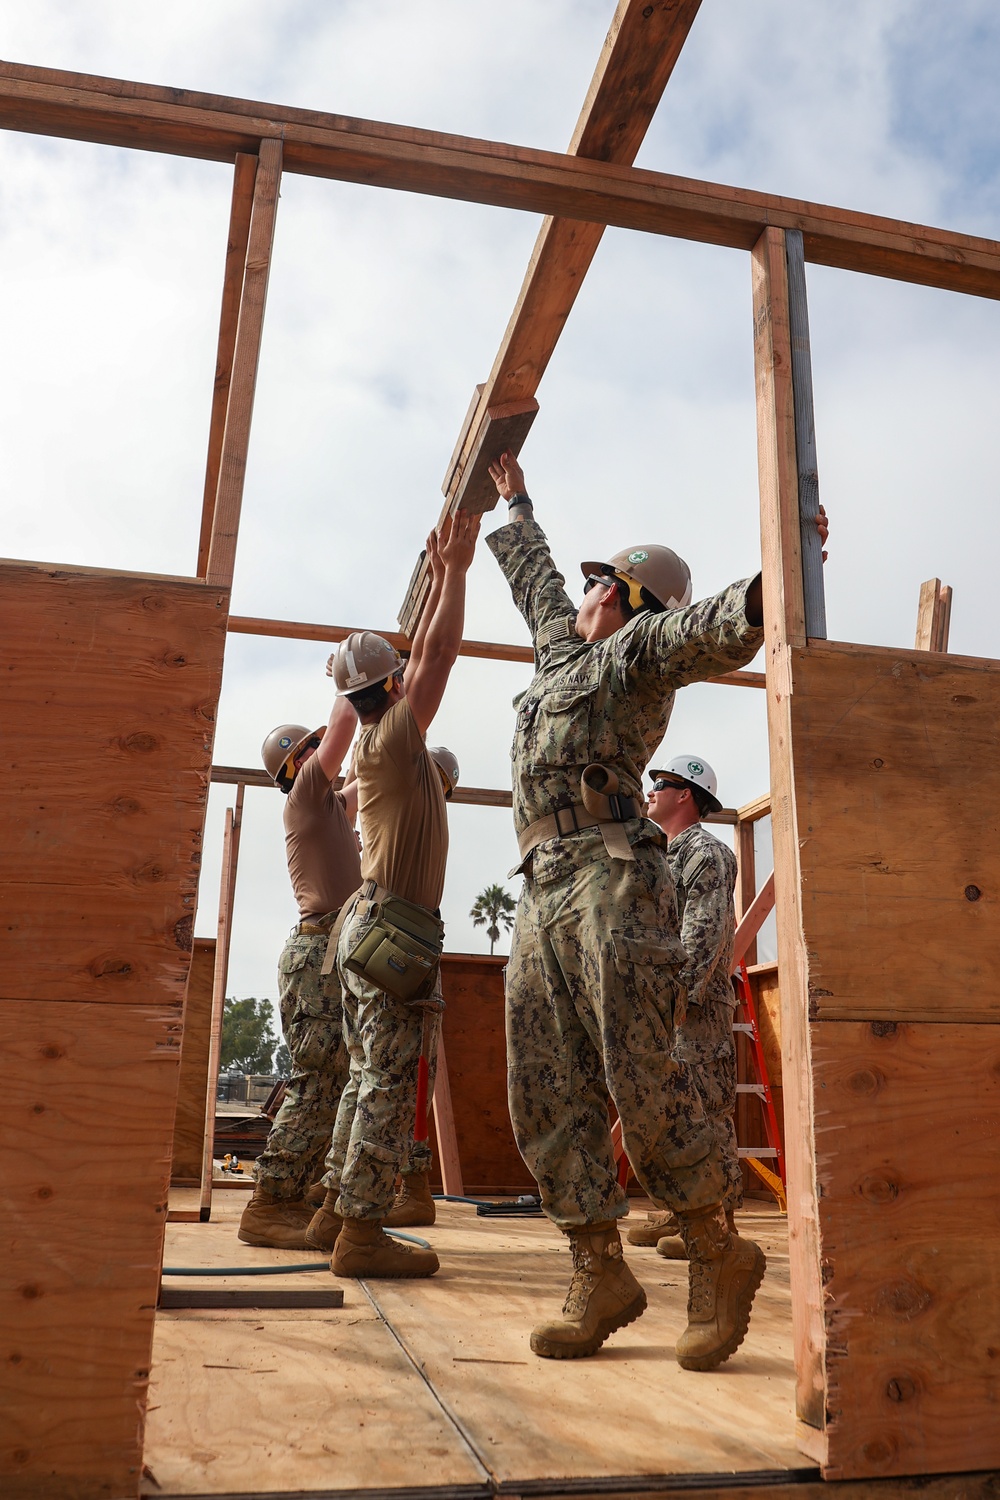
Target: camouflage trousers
311	1006
591	987
373	1139
704	1041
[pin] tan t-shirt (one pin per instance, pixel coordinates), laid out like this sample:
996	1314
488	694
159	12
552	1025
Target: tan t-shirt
323	860
404	819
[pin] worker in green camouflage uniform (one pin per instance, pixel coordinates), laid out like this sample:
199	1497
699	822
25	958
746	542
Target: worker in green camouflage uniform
594	981
704	876
325	869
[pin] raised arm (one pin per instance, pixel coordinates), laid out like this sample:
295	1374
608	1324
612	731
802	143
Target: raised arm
427	614
426	682
337	740
537	586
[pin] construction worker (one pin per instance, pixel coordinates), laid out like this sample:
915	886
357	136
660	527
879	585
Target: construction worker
596	963
325	869
413	1205
391	941
704	875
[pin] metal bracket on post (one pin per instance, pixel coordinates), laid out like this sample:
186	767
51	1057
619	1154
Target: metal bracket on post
805	437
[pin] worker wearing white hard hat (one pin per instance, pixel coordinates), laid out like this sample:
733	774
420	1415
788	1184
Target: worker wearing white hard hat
704	874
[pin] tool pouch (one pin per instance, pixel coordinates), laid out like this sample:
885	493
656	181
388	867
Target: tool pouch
400	950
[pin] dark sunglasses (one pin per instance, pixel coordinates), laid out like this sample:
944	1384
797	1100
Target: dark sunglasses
593	578
661	784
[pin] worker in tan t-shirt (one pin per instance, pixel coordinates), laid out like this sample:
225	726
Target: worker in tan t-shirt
325	869
404	832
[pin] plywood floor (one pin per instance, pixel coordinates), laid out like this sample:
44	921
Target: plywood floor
414	1384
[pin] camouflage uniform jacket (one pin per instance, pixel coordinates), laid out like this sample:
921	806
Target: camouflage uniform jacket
704	872
607	701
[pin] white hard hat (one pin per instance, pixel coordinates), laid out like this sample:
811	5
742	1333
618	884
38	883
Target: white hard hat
698	772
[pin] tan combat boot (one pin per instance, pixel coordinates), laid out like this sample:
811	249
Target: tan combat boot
364	1251
326	1223
655	1227
672	1246
413	1204
724	1273
277	1223
603	1295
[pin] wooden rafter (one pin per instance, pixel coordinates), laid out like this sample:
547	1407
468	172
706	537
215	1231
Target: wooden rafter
637	59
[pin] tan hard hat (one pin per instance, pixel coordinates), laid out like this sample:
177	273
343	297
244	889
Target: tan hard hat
447	762
363	660
656	569
696	772
279	750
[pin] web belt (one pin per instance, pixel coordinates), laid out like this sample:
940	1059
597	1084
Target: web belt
574	819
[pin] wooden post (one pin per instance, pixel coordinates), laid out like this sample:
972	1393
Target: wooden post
232	292
805	437
444	1127
227	891
933	616
746	875
784	626
246	354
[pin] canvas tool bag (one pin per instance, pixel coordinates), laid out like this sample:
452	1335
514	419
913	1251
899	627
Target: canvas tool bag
401	949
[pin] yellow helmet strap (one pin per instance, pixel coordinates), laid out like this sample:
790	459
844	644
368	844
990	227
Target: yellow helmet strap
635	598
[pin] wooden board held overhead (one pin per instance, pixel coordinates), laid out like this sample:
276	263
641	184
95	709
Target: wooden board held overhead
503	429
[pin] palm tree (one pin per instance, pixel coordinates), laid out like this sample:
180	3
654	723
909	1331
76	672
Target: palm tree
493	906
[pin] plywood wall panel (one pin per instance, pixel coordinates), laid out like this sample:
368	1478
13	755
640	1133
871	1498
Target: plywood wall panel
475	1035
87	1090
112	682
897	776
907	1126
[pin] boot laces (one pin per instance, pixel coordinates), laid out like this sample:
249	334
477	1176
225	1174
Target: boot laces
701	1287
587	1270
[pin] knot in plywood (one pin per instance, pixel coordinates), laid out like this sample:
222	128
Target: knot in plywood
139	743
110	968
879	1190
903	1299
901	1388
866	1081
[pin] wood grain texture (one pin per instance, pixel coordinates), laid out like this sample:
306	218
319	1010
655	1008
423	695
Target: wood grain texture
900	887
88	1106
784	625
811	548
503	429
907	1123
46	101
232	291
243	379
192	1089
113	682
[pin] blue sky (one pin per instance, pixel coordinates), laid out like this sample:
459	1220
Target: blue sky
385	309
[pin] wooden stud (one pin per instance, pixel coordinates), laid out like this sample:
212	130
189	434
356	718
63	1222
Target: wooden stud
449	1158
239	408
227	893
232	291
933	616
189	1122
814	597
784	626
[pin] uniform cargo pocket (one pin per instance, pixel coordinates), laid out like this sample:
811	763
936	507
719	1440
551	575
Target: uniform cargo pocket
647	964
560	729
295	954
